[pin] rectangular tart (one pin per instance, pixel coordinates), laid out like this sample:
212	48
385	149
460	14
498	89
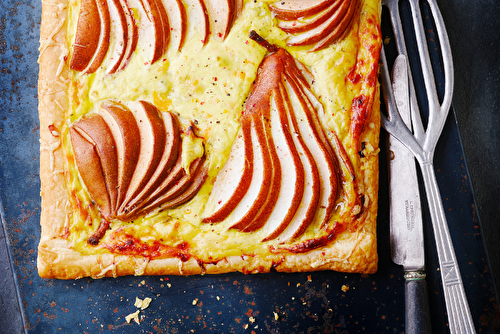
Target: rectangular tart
208	136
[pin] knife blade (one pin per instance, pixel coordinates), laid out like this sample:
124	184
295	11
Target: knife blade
405	213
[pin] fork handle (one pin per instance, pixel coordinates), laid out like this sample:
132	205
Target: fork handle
459	316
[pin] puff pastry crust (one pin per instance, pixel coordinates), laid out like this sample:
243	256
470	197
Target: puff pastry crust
218	85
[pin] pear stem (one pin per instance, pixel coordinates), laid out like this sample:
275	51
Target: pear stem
262	42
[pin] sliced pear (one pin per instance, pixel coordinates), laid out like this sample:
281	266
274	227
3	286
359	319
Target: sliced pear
293	171
175	192
119	31
294	9
125	32
92	36
95	130
292	174
152	134
321	31
312	184
102	49
238	8
132	35
312	132
256	194
199	24
221	14
259	215
340	29
169	157
175	174
156	28
233	180
177	19
196	183
123	126
307	23
165	25
89	167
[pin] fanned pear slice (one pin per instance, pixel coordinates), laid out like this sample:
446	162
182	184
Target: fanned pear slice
102	48
294	9
259	213
123	126
238	8
220	14
90	169
176	191
256	193
199	24
197	182
306	23
168	158
156	30
133	35
92	36
124	30
312	184
152	134
232	182
95	131
177	19
321	31
292	171
311	131
119	31
340	29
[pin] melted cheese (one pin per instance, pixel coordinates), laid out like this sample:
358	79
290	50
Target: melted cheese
208	85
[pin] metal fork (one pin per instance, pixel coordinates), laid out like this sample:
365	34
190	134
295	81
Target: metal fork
422	143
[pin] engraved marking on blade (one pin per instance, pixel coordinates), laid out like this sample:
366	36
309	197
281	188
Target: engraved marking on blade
410	215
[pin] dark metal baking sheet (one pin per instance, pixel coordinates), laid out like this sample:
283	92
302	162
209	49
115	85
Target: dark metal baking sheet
277	303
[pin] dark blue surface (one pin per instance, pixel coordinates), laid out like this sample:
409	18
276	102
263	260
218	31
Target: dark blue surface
305	303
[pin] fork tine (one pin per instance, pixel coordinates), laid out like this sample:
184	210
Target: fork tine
425	60
427	138
447	56
394	124
416	127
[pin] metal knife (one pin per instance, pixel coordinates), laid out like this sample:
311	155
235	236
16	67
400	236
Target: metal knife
405	213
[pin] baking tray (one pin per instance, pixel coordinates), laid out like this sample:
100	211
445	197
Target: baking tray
231	303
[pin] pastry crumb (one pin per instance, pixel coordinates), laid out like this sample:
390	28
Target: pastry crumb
195	301
345	288
146	302
276	316
142	304
133	316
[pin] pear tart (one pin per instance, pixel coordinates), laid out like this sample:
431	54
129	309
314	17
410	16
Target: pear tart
208	136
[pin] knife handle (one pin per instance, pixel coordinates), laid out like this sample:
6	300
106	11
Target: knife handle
417	314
